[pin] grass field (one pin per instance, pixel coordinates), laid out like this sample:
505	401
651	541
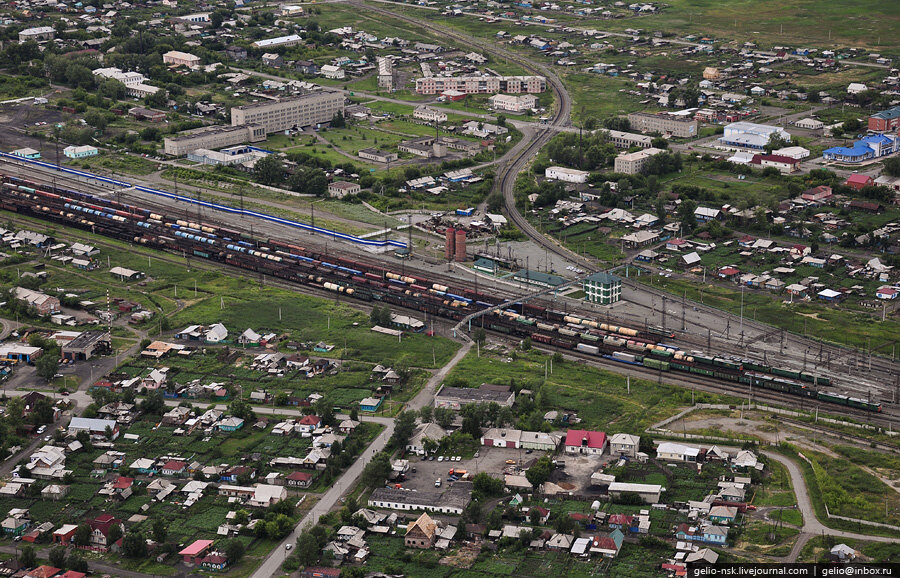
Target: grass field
813	319
119	163
816	550
599	398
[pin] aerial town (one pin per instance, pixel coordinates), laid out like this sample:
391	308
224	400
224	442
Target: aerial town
382	288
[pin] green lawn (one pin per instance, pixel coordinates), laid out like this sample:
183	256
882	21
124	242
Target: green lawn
118	163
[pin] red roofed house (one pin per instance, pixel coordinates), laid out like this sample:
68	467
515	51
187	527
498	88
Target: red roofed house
622	521
886	293
214	562
174	468
122	483
818	194
544	512
859	181
579	441
866	206
196	551
44	572
310	422
299	479
100	527
782	163
728	272
72	574
320	572
676	244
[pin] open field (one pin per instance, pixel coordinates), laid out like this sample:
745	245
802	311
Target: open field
598	397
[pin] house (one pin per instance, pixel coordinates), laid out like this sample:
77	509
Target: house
100	529
55	492
273	59
195	551
678	452
559	542
649	493
624	445
421	533
306	67
423	432
309	423
64	534
214	561
43	304
585	442
723	514
16	523
705	214
176	416
174	468
886	293
299	479
843	553
702	556
341	189
370	404
97	428
235	52
230	424
607	545
144	466
43	572
714	534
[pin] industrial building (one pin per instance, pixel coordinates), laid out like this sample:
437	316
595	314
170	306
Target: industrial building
212	138
281	41
236	155
456	397
87	345
566	175
679	126
379	156
749	135
290	113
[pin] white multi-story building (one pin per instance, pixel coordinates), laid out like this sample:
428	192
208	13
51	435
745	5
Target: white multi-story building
749	135
513	103
290	113
133	81
429	114
633	163
331	71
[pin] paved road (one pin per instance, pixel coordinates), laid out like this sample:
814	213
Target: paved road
811	525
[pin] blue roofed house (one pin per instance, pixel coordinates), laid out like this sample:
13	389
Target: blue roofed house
867	148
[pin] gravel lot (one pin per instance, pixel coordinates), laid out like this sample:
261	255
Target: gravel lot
491	460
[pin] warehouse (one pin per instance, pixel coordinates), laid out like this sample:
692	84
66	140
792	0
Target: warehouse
87	345
649	493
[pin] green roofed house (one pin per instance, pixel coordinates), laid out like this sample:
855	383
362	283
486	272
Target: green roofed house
538	278
602	288
485	265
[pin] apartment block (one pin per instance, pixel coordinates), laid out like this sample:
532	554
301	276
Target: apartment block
664	123
290	113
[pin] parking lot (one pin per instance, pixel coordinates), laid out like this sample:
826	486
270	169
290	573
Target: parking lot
491	460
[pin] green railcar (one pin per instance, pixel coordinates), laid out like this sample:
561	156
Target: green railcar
656	364
703	360
702	371
661	353
757	367
786	373
679	366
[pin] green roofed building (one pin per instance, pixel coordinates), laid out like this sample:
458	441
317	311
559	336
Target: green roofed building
485	265
539	279
602	288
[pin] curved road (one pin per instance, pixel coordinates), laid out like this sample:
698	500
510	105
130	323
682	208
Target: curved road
811	525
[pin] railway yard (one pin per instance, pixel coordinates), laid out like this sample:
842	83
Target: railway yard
867	379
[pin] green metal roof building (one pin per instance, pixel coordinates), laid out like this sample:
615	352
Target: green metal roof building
602	288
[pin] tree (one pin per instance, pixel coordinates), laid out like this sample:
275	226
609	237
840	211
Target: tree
354	413
133	545
47	366
338	120
234	550
115	532
471	425
539	472
96	120
443	416
479	335
534	516
241	409
892	166
82	535
160	530
404	426
153	404
426	414
57	557
269	170
307	549
377	470
78	564
487	486
215	20
28	558
495	202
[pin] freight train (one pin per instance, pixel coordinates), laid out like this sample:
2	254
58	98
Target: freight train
373	282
